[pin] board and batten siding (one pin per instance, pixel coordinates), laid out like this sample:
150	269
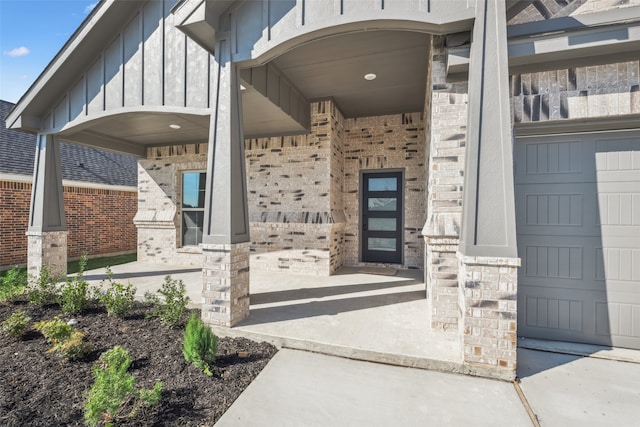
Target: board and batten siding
149	62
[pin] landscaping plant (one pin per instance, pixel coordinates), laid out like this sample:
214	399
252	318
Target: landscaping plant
74	295
170	303
113	396
118	299
13	284
43	289
16	324
200	344
68	342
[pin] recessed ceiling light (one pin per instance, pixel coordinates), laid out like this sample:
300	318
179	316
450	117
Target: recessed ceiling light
174	126
370	76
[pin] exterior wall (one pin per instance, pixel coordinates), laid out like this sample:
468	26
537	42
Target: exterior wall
94	216
295	196
303	192
448	132
577	93
148	59
159	214
386	142
547	9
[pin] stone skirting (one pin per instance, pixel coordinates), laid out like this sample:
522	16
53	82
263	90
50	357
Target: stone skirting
47	249
225	283
488	303
441	275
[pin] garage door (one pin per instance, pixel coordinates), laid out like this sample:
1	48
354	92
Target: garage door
578	224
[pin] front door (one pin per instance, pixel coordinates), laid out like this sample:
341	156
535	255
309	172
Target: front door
381	222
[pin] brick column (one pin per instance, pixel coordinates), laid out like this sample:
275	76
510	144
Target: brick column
488	303
47	249
441	270
225	283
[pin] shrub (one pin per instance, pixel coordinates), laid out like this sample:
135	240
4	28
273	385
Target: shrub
118	299
171	303
54	330
67	342
74	295
13	284
43	289
73	348
16	324
200	344
114	387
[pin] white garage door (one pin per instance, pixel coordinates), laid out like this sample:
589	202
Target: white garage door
578	220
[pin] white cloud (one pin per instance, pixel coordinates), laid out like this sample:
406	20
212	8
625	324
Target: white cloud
19	51
90	7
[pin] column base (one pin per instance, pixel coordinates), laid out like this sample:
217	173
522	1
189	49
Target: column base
225	283
47	249
488	303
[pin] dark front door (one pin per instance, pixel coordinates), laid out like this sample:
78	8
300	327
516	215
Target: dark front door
381	224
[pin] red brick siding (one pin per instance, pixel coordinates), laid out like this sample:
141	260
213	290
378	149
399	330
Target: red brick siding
99	221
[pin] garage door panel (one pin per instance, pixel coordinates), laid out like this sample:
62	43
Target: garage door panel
541	161
578	225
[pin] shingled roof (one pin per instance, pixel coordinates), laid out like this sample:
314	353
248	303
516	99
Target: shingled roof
79	163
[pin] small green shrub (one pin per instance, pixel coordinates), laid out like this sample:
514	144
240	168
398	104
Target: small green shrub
200	344
118	299
73	348
13	284
170	303
75	296
16	324
43	289
113	388
64	339
54	330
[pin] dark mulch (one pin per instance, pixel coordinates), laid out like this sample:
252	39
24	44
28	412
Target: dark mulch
38	388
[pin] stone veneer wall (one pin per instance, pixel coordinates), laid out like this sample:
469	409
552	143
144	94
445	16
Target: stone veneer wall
577	93
295	197
386	142
159	214
448	132
548	9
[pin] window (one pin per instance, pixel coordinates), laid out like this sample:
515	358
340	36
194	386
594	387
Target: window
193	190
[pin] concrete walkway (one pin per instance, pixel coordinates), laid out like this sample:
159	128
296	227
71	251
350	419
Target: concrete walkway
306	389
384	319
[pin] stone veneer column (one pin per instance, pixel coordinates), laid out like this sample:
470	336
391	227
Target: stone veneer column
47	249
225	283
488	300
488	252
47	231
225	246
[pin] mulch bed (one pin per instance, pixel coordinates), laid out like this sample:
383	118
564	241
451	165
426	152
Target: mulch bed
38	388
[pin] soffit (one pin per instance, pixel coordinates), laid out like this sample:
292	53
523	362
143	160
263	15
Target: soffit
334	67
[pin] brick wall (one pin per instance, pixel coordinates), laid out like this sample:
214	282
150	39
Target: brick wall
387	142
99	221
295	196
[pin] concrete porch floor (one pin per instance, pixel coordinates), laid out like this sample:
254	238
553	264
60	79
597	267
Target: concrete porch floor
349	314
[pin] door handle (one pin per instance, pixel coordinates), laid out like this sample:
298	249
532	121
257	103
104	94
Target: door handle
364	224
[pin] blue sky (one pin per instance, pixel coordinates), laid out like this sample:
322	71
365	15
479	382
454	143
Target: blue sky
31	33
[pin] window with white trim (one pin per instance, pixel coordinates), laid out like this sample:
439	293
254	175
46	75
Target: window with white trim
193	190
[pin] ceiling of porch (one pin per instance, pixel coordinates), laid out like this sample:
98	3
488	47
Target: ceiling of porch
335	67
